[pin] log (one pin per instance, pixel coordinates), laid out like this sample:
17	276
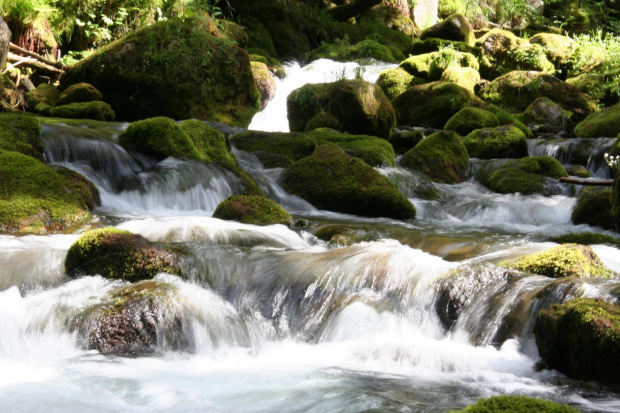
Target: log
348	11
21	51
32	63
589	182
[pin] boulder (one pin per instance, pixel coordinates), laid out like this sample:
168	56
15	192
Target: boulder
581	338
179	68
372	150
362	51
455	27
470	118
393	82
446	59
21	133
233	31
500	142
78	184
516	404
44	95
403	140
590	84
586	238
432	104
324	120
361	107
503	117
603	124
579	171
119	255
593	207
547	115
264	82
275	149
419	65
567	260
442	156
78	93
255	210
391	17
96	110
558	49
5	39
465	77
330	179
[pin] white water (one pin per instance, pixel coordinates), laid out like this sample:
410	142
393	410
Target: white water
274	320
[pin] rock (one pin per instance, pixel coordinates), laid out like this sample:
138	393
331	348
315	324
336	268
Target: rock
78	184
119	255
581	338
442	156
470	118
419	65
447	59
275	149
432	104
615	201
255	210
5	39
21	133
603	124
393	82
516	404
233	31
500	142
211	144
526	176
465	77
265	83
558	48
455	27
579	171
403	140
546	114
362	51
593	207
176	68
390	17
502	51
567	260
516	90
44	94
590	85
361	107
324	120
434	45
503	117
96	110
332	180
372	150
35	199
78	93
586	238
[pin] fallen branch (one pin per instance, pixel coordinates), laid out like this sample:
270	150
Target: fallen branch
589	182
348	11
33	63
19	50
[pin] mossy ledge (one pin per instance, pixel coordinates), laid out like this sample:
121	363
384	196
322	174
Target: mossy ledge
255	210
516	404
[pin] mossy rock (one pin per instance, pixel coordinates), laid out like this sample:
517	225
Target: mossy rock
590	85
434	45
516	90
259	59
526	176
323	120
466	77
96	110
390	17
258	37
78	93
402	141
44	94
442	156
35	199
455	27
581	338
605	123
210	143
516	404
255	210
265	83
21	133
330	179
450	59
593	207
419	65
233	31
368	30
432	104
78	184
361	107
362	51
119	255
547	114
503	117
502	51
275	149
500	142
586	238
179	68
468	119
578	171
393	82
372	150
567	260
558	49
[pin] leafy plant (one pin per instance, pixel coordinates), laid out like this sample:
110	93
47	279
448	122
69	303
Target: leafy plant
598	54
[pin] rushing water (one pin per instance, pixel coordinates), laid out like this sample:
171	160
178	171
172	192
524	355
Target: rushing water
416	317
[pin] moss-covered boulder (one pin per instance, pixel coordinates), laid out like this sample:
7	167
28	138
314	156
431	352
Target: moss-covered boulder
362	51
211	144
404	140
605	123
501	142
44	94
330	179
120	255
393	82
434	45
96	110
264	82
516	90
470	118
35	199
233	31
567	260
78	184
502	51
180	68
255	210
503	117
547	115
466	77
324	120
361	107
586	238
446	59
593	207
389	16
442	156
516	404
557	48
526	176
590	84
275	149
21	133
581	338
418	65
454	27
432	104
77	93
579	171
372	150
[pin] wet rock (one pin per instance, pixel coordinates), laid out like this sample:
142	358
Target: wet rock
586	238
80	185
253	210
501	142
265	83
547	115
275	149
593	207
605	123
403	140
515	404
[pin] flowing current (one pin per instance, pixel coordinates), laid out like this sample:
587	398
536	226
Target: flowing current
415	316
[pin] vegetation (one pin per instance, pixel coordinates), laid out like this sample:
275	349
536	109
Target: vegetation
255	210
500	142
516	404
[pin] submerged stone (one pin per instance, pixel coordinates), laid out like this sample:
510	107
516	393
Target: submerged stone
255	210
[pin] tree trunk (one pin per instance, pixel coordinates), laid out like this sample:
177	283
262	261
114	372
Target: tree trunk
348	11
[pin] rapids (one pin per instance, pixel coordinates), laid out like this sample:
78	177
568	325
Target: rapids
415	317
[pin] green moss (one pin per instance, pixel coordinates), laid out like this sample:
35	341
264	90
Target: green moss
581	338
43	94
257	51
605	123
21	133
324	120
586	238
402	141
362	51
36	199
503	117
525	176
78	184
390	17
433	45
463	76
568	260
393	82
332	180
501	142
275	149
118	254
590	85
449	59
177	68
431	104
419	65
96	110
265	83
258	58
374	151
455	27
258	36
442	156
470	118
234	32
516	404
615	200
558	48
210	143
255	210
593	207
546	113
579	171
369	30
80	92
